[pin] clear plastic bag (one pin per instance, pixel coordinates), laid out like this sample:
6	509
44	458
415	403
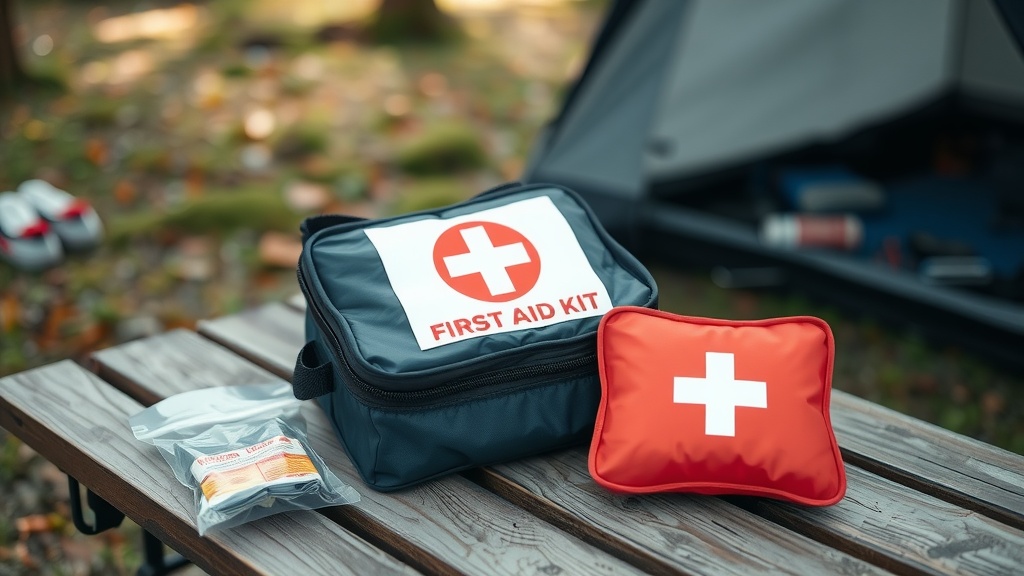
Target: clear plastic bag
244	452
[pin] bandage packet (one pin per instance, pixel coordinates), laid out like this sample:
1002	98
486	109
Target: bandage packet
244	452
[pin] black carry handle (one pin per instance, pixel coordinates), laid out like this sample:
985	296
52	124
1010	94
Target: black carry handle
312	377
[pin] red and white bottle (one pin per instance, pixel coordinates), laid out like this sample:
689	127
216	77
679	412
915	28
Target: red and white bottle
838	232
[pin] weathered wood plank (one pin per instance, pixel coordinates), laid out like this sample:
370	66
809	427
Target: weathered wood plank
950	466
80	423
720	543
446	526
271	333
931	459
905	530
694	534
170	363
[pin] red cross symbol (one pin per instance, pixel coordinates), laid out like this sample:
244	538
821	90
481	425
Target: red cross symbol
486	261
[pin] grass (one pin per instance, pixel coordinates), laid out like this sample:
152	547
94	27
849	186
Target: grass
425	194
11	465
302	140
218	213
443	148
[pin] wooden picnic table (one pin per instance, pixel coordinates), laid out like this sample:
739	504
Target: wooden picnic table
921	500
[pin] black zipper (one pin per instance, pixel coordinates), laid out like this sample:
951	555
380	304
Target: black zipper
525	376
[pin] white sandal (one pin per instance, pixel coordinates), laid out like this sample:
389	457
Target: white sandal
73	219
27	240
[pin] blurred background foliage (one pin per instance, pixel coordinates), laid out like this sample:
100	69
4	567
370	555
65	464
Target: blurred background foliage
204	132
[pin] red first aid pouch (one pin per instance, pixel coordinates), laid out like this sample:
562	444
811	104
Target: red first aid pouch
716	407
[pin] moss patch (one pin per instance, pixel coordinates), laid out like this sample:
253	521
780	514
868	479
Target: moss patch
430	193
443	149
216	214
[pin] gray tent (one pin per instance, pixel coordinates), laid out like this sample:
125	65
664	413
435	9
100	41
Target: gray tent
683	102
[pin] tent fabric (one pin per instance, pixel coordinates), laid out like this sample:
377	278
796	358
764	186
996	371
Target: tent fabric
620	92
685	97
991	65
689	87
1012	12
750	78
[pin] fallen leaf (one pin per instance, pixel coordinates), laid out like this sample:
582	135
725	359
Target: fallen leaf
512	168
34	524
993	403
280	250
194	181
61	312
317	166
433	85
266	280
179	322
23	555
306	196
125	193
9	312
93	335
96	151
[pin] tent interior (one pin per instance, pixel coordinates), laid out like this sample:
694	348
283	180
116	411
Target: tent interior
867	151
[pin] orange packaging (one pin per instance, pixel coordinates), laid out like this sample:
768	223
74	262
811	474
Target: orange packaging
279	460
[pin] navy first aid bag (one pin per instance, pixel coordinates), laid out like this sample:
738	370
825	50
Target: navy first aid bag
462	336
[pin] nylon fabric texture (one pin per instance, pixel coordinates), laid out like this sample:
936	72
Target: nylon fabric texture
716	407
460	336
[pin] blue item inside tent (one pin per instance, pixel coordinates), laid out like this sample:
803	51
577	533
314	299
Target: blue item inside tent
953	209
